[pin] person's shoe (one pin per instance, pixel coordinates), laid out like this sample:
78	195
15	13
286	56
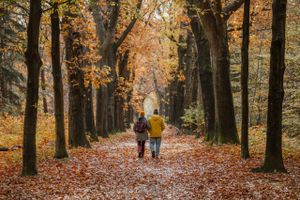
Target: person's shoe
153	154
140	154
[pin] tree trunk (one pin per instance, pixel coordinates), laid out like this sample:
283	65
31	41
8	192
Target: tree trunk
105	120
43	86
89	113
256	85
205	76
180	85
120	101
225	118
3	84
195	84
273	156
101	105
60	143
214	22
129	111
112	59
189	67
34	63
119	114
244	82
179	102
158	92
129	114
106	34
2	80
74	49
172	99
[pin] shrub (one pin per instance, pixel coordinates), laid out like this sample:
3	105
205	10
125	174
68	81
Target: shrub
193	118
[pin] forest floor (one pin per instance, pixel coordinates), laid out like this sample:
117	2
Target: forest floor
187	169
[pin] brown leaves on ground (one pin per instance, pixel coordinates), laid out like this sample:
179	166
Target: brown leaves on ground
187	169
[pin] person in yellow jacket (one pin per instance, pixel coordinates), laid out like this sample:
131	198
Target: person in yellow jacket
157	126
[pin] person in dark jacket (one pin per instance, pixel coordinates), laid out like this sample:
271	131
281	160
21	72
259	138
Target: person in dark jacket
141	128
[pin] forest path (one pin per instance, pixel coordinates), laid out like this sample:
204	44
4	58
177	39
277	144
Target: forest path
187	169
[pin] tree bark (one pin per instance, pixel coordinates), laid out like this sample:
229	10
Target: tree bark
101	105
195	84
106	35
43	86
129	111
225	118
214	26
120	101
179	102
205	75
119	114
89	113
172	100
244	82
34	63
273	155
189	67
111	87
105	117
101	112
60	143
74	49
129	114
3	84
256	100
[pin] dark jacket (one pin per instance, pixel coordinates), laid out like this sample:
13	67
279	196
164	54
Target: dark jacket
143	136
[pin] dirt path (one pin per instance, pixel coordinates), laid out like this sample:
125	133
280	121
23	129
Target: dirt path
187	169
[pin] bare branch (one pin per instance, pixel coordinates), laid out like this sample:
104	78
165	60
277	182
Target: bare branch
232	7
131	24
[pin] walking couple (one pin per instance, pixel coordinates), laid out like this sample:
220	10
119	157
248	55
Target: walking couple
155	126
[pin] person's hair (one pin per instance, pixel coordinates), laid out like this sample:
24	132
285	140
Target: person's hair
155	112
142	114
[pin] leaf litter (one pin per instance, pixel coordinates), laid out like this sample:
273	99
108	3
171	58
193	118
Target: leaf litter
187	169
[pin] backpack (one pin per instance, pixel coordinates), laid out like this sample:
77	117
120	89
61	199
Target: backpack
140	126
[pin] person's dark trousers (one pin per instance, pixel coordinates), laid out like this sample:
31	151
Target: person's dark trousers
141	148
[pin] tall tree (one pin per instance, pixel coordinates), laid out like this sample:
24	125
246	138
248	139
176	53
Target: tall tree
112	62
244	82
205	74
60	143
105	35
34	63
106	31
11	79
273	155
214	21
74	51
178	104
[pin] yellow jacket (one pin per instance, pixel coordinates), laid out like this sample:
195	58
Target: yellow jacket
157	125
